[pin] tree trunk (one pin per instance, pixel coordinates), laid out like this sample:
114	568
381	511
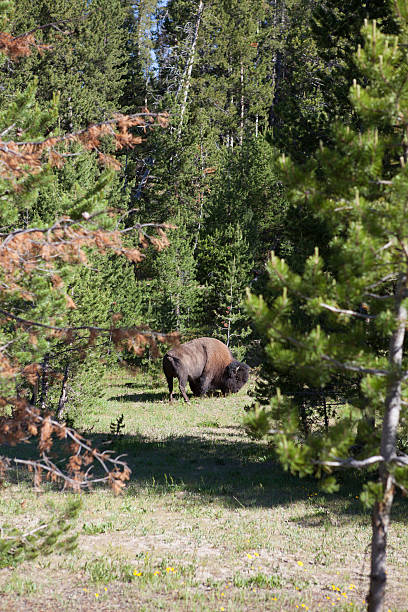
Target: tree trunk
279	68
34	394
44	383
64	393
382	509
200	194
326	416
189	68
241	127
380	521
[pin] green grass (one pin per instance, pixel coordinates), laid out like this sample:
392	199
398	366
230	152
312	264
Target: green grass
19	585
209	521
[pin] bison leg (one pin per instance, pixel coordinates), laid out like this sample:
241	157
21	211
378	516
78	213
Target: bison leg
170	385
195	386
204	383
169	372
182	385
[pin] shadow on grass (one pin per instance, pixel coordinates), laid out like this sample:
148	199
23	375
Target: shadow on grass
240	474
134	385
141	397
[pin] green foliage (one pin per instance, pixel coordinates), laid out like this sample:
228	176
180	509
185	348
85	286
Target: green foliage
372	492
17	545
230	90
225	266
174	270
106	569
87	62
298	116
330	323
259	580
117	426
336	30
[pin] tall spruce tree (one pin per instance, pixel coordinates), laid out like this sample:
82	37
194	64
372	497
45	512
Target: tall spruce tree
174	291
360	185
86	61
38	257
335	28
140	28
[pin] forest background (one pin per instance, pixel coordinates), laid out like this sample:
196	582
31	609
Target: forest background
245	87
243	82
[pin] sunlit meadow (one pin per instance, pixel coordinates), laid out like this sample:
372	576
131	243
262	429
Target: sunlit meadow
208	522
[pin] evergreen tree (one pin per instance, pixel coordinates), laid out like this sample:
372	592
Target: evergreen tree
221	64
38	259
225	269
87	65
297	114
140	27
246	189
175	292
335	27
85	61
359	184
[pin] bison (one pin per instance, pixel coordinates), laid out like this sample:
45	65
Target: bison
206	363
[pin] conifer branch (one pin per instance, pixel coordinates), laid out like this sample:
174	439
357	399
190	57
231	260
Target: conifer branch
339	364
119	334
31	423
350	462
352	313
133	120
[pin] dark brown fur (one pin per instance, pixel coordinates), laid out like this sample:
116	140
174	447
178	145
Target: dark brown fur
206	363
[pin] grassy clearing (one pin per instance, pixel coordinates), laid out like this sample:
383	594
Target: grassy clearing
208	522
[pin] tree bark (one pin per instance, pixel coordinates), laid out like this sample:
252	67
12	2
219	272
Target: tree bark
189	68
326	417
241	127
380	522
382	509
44	382
64	393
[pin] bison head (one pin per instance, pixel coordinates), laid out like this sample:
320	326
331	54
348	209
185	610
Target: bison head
235	376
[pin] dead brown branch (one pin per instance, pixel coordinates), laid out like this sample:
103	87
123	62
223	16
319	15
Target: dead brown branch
27	422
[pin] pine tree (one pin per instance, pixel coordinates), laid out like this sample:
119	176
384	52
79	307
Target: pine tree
221	64
39	252
355	298
140	26
175	291
335	28
85	61
225	267
297	114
